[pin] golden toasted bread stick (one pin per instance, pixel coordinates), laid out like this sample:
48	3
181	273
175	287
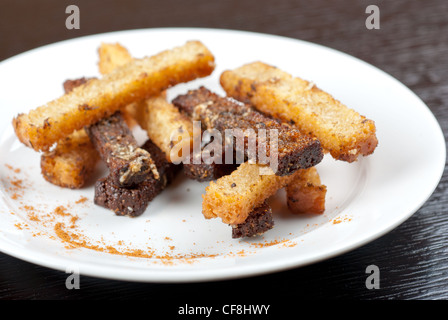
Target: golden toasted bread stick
342	131
111	56
165	125
161	120
71	163
306	193
233	197
99	98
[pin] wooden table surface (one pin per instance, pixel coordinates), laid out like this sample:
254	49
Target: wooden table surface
411	45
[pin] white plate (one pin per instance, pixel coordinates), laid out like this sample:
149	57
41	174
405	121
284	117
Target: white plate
365	199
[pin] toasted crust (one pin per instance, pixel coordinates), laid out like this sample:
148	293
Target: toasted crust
72	161
292	150
159	118
306	193
165	126
258	222
134	201
99	98
202	171
111	56
233	197
71	84
342	131
128	164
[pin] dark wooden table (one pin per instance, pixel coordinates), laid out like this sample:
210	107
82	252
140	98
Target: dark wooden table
411	45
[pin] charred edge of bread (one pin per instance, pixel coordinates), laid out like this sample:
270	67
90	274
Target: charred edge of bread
258	222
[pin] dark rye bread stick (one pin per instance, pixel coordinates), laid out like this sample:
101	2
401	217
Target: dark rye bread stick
128	164
258	222
134	201
207	171
99	98
199	166
292	150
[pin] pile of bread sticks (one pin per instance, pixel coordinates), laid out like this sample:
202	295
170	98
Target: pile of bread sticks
93	122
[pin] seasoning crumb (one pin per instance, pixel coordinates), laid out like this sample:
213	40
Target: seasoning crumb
269	243
61	210
10	167
81	200
338	219
63	226
17	183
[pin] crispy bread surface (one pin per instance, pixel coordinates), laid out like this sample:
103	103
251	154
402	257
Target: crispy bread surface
134	201
111	56
291	149
71	163
165	125
258	222
99	98
128	164
306	193
342	131
233	197
159	118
